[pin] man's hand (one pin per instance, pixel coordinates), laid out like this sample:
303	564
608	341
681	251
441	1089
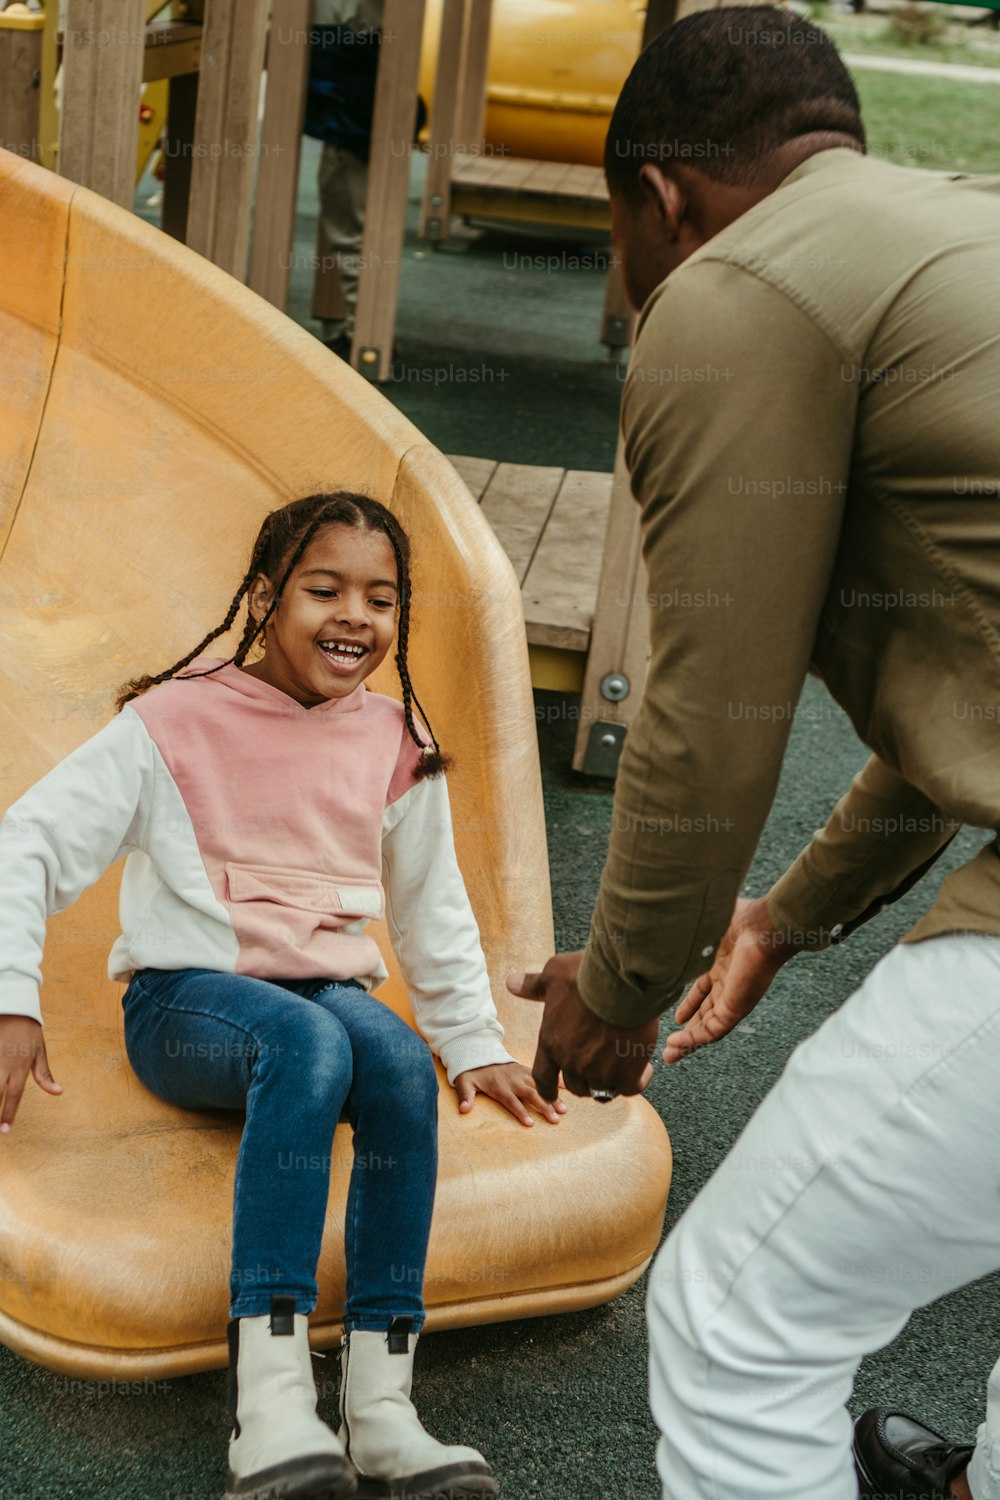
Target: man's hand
590	1053
22	1051
511	1085
749	956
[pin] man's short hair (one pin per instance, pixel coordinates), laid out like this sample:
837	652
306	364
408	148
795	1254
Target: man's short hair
722	89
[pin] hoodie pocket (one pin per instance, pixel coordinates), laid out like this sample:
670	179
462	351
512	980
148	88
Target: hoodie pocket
344	897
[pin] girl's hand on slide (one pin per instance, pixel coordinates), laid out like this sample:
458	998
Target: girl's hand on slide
22	1051
749	956
511	1085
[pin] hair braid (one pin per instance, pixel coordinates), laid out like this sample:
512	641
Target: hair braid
432	761
137	685
279	547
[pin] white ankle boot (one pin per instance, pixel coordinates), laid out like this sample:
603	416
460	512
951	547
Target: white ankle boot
279	1449
394	1457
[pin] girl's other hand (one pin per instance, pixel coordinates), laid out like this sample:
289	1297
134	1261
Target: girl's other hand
22	1051
511	1085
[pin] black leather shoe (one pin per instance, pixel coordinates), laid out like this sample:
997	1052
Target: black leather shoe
897	1458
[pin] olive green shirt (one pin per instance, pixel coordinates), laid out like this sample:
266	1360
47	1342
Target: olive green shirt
812	429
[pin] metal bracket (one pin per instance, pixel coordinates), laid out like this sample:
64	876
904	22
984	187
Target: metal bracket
604	748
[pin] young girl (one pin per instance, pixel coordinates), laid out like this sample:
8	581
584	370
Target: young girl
268	810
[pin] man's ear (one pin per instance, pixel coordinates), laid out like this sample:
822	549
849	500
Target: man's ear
664	197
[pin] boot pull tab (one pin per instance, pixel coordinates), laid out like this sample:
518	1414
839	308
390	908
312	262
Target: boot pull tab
283	1315
399	1335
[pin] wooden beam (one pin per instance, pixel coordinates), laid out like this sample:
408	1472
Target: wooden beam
103	43
436	211
48	112
281	139
225	132
619	637
659	15
172	49
470	122
20	69
388	186
182	106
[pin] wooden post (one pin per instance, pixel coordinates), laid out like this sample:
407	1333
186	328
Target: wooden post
659	15
388	183
436	210
182	107
225	133
470	124
20	69
103	43
281	141
48	113
619	637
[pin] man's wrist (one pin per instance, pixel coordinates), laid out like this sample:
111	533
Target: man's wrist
613	1002
797	929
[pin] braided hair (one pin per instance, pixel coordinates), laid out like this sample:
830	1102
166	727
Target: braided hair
280	545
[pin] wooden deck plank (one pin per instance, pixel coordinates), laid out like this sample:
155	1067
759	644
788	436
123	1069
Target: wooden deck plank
519	174
546	177
477	472
475	169
551	523
513	172
517	504
560	588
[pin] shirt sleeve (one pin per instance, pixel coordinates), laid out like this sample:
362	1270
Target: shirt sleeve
738	424
59	838
882	837
434	932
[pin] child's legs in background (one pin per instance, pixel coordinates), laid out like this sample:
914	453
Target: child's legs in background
393	1108
207	1040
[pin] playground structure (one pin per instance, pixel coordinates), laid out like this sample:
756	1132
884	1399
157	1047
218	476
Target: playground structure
209	55
123	463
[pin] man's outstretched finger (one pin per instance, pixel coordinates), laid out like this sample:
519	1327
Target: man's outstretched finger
692	1000
545	1072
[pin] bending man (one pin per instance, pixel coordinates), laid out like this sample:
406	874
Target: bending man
811	430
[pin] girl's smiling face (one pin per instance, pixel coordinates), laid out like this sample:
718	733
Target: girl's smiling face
336	619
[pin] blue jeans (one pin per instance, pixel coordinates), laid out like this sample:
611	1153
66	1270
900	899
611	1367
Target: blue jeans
295	1054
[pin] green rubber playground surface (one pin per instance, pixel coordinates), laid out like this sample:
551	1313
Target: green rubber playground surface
558	1404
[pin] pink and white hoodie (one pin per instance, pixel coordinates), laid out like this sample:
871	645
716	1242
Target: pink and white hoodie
260	837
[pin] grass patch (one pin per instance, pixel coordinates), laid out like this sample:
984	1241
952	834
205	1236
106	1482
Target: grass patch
930	122
875	34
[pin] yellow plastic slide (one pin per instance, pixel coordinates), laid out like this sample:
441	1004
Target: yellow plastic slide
153	410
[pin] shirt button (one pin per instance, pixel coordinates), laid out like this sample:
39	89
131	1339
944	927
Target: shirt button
837	929
707	952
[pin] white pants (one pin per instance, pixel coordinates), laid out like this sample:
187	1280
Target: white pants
867	1184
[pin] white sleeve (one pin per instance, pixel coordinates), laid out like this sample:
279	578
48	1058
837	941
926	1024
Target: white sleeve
434	932
59	838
